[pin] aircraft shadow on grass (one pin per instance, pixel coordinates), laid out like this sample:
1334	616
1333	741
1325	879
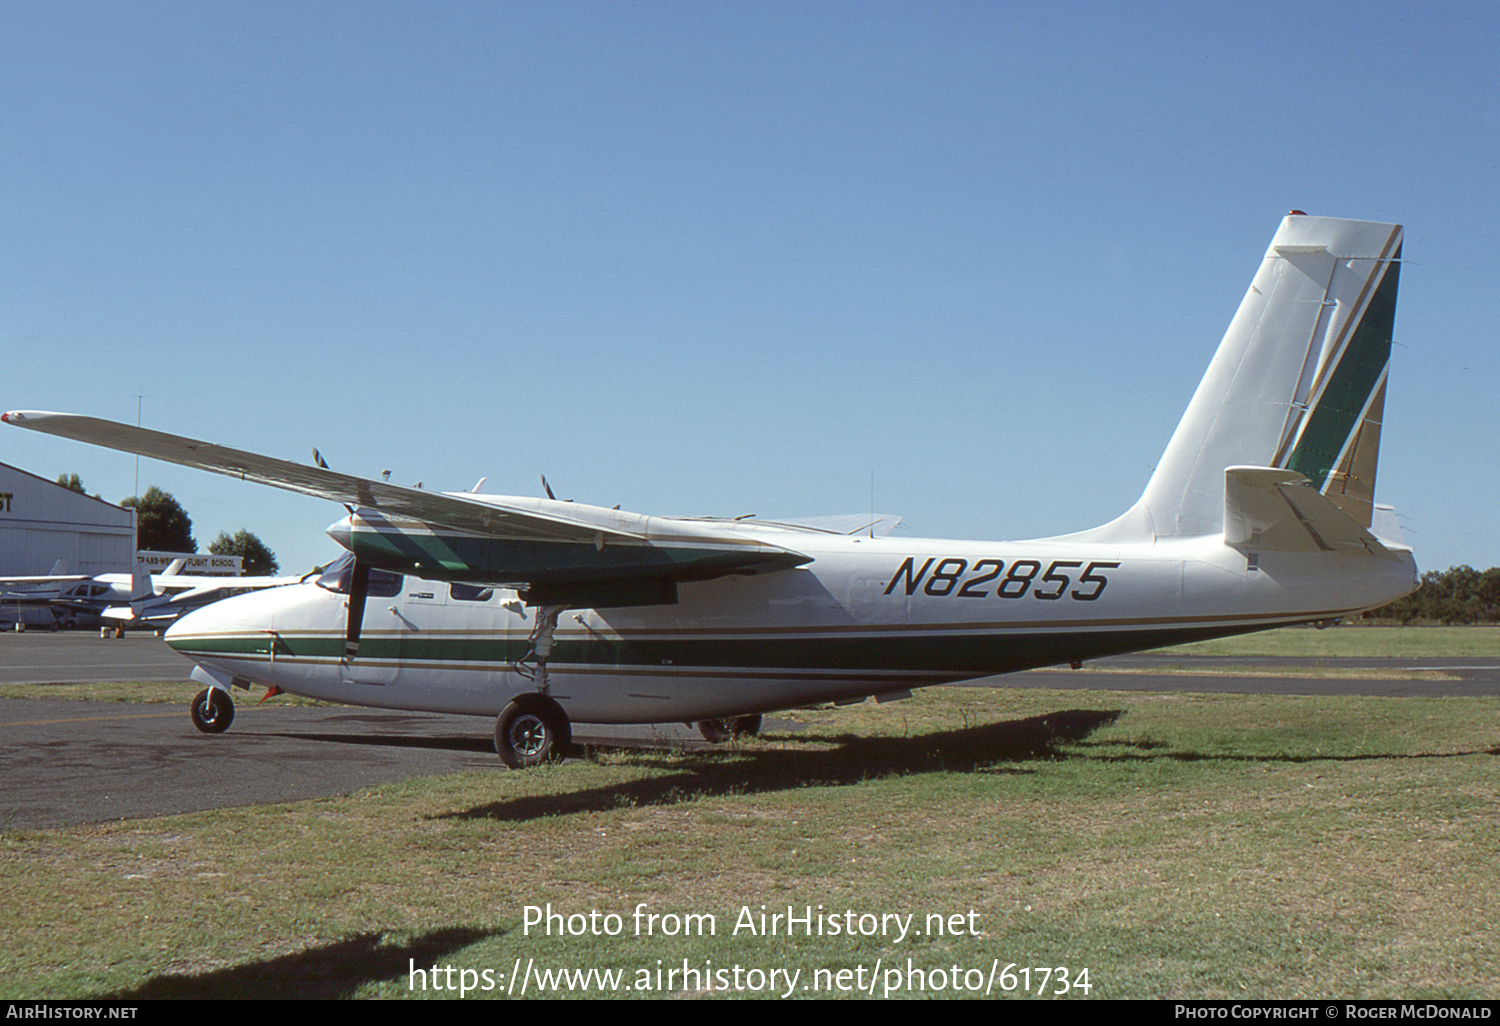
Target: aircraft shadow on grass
998	747
335	970
451	743
855	760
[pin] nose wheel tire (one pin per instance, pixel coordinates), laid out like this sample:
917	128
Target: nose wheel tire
212	711
531	730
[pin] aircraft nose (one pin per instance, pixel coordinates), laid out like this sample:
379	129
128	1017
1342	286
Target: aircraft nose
191	626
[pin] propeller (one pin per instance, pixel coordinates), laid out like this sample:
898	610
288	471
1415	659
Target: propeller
359	588
359	583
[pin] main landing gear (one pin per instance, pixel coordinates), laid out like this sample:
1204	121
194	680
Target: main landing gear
719	731
212	711
532	728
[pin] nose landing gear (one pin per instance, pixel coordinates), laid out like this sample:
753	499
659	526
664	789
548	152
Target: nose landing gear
212	711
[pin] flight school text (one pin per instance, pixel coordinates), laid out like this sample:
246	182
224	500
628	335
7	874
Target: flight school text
749	921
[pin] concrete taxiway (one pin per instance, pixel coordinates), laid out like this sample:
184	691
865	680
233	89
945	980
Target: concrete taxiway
75	762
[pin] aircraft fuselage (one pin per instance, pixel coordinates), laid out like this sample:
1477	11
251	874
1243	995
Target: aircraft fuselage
866	616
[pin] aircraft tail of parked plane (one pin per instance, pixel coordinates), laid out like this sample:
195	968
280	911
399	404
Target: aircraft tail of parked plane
1260	514
1298	385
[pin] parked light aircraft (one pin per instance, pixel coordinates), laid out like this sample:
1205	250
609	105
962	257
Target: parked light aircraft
68	595
1260	514
177	597
132	600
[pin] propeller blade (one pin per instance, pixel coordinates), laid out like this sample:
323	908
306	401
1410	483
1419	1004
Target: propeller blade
359	588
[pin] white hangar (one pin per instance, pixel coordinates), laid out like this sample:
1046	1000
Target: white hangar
42	522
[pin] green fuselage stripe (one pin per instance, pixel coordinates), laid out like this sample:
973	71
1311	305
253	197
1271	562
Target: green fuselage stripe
939	656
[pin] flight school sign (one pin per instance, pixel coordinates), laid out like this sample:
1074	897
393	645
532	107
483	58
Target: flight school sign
193	563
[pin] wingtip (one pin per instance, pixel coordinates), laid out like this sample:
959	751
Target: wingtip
21	416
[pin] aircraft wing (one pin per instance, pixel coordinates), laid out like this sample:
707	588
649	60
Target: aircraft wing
560	550
875	525
45	579
31	598
392	500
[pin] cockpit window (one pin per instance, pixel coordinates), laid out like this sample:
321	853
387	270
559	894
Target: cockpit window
383	584
470	592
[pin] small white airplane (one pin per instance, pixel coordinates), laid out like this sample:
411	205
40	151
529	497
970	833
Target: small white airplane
141	599
68	595
1260	514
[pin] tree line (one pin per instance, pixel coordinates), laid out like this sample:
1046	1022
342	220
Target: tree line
162	525
1457	595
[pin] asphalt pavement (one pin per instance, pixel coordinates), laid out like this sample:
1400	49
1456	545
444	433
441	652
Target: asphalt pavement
67	762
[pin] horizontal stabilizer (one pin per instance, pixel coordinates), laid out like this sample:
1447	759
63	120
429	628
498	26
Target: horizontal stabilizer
1267	509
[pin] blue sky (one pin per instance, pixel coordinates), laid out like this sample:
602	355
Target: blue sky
726	258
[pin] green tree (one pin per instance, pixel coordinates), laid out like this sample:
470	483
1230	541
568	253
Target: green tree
1457	595
160	523
72	481
255	559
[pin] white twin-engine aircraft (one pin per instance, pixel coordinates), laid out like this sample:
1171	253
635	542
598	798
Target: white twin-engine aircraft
1260	514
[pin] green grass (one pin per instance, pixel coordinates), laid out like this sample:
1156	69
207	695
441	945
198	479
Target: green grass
1174	845
1353	642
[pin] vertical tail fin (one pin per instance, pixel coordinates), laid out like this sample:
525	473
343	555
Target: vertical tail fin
1298	382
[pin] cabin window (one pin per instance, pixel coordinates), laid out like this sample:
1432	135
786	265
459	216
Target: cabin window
470	592
383	583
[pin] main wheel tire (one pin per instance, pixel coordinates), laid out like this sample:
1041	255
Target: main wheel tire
212	711
745	726
530	731
716	732
721	730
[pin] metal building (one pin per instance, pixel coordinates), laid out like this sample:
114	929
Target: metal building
42	522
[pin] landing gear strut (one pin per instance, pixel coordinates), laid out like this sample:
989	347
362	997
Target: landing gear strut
212	711
533	728
541	648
